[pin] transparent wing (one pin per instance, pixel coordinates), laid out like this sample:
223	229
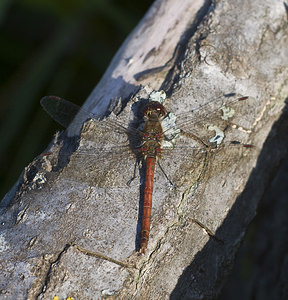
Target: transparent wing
217	113
211	109
64	112
111	142
104	144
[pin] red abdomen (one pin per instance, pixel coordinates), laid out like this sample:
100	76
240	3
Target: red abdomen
147	203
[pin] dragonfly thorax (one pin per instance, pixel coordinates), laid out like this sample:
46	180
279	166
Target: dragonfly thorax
151	148
152	136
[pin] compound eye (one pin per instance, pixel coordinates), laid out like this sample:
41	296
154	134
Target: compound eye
154	106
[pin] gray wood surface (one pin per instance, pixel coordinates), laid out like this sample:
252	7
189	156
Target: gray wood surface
69	227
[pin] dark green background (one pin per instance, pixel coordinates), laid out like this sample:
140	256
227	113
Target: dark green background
52	47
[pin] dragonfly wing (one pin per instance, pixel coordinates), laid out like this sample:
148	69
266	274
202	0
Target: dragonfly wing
61	110
211	119
103	143
184	163
64	112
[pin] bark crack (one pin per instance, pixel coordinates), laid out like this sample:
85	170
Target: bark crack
48	274
102	256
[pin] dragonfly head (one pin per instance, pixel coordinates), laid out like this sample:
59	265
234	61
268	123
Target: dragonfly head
154	108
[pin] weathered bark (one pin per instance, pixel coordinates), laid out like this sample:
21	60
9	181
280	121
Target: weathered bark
263	255
51	220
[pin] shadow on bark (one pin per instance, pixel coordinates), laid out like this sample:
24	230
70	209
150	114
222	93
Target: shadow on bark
203	279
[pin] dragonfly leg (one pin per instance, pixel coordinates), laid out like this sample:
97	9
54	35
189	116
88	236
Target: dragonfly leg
166	176
134	173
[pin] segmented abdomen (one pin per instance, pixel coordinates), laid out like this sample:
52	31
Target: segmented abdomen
147	203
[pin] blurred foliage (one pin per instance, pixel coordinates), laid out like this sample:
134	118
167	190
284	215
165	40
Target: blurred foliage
52	47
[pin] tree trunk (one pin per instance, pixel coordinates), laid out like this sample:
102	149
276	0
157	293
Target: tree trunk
70	229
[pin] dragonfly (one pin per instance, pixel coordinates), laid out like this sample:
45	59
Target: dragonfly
155	136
